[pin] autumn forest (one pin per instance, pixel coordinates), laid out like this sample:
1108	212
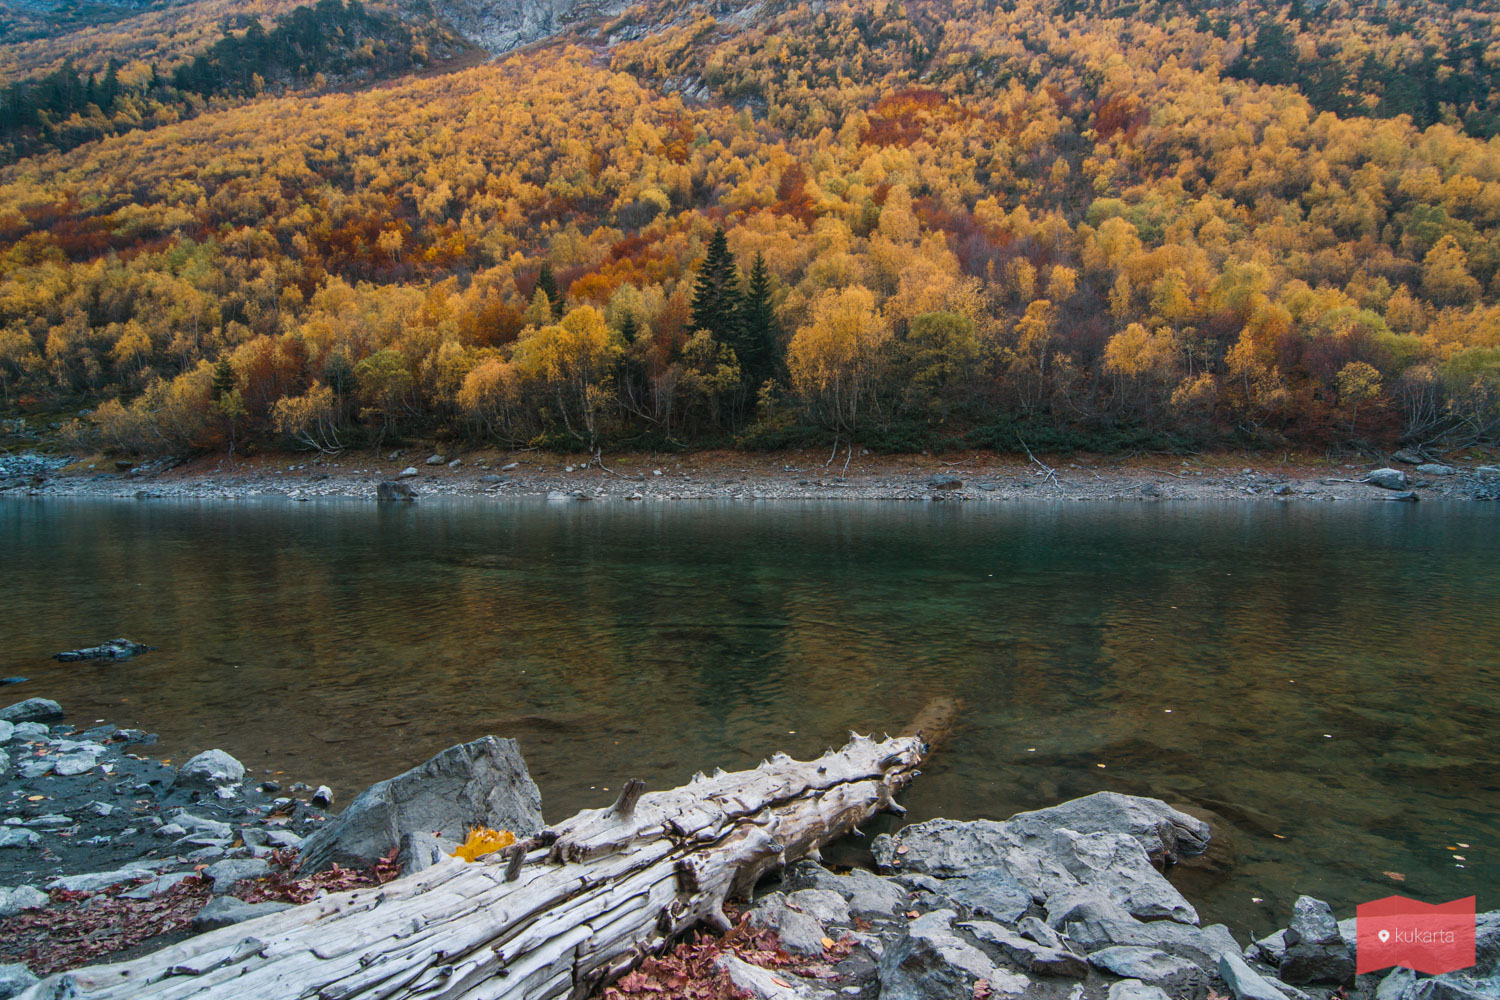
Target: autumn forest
937	224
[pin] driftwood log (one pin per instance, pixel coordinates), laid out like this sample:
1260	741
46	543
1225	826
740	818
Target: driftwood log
556	916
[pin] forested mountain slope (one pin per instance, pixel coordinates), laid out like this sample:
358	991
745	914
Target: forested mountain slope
945	223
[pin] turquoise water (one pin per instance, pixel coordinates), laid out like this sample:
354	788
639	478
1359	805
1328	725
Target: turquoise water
1322	680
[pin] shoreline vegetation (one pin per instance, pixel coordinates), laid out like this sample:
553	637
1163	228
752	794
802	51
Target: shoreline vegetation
119	856
812	474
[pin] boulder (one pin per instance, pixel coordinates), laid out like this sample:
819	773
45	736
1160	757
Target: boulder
1244	982
1093	921
457	462
1030	955
989	892
1146	964
95	881
930	962
1134	989
1409	456
7	730
436	459
799	931
1386	479
1165	833
1406	496
491	478
483	783
14	978
158	885
823	905
1434	469
226	910
32	710
764	984
323	797
419	851
212	771
21	899
867	894
1315	951
409	472
227	874
942	482
396	490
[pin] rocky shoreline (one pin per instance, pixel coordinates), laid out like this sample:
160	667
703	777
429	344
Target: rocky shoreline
1067	903
409	473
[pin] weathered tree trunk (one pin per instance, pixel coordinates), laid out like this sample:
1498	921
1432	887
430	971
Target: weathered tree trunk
555	917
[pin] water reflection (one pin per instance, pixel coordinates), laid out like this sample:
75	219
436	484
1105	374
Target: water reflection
1322	680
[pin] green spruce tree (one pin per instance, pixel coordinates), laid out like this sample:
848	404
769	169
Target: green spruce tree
759	344
546	281
717	296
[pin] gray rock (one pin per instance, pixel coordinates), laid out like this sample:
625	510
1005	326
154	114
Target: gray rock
420	851
210	771
1270	949
4	760
394	489
226	910
1386	479
1116	864
1282	490
1135	962
1165	833
94	881
69	764
930	962
491	478
225	875
174	830
283	838
7	730
823	905
1134	989
32	710
21	899
1409	456
1446	988
1040	932
1434	469
1093	921
113	650
942	482
27	731
767	985
509	466
14	978
867	894
323	797
16	836
1315	951
989	892
1487	471
409	472
35	768
455	463
1404	496
435	459
160	884
1244	982
799	931
1394	985
1150	490
1029	955
483	783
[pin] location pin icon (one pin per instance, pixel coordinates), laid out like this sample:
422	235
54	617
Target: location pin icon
1384	936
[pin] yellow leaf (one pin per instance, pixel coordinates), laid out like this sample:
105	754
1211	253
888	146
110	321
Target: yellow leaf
827	942
481	841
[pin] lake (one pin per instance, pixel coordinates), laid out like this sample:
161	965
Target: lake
1322	680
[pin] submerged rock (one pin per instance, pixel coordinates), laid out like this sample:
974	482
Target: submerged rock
32	710
113	650
392	489
483	783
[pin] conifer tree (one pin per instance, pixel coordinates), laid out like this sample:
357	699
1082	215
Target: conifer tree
546	281
759	340
717	296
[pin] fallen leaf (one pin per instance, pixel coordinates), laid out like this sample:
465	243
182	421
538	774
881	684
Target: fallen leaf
1397	876
912	914
902	849
781	982
827	942
35	798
